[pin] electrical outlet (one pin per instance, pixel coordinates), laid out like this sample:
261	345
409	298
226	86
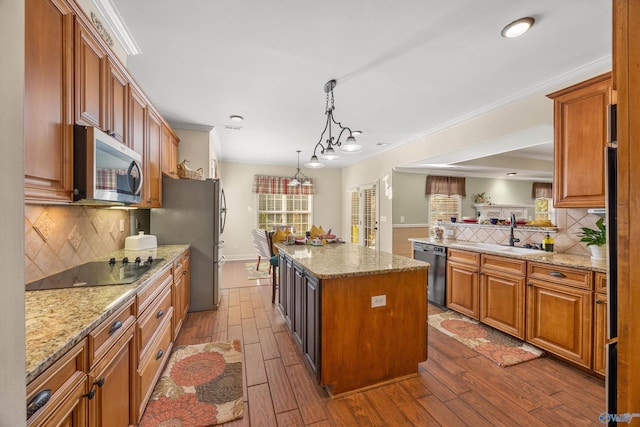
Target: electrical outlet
378	301
122	225
401	219
449	232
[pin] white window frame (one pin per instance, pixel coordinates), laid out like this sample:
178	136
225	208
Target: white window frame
284	212
445	216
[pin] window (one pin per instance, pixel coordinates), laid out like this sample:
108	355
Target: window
285	209
443	207
544	209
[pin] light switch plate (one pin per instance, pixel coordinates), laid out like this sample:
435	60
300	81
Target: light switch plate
122	225
378	301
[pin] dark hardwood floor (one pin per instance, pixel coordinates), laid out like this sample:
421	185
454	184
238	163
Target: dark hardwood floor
455	387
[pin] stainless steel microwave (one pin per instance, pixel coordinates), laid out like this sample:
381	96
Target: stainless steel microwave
105	170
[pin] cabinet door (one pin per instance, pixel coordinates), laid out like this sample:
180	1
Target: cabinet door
178	296
599	332
48	101
152	175
580	133
112	401
116	102
462	288
311	335
297	320
90	71
559	320
502	302
169	152
136	121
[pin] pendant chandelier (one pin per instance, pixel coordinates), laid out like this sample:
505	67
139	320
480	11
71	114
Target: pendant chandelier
299	178
327	150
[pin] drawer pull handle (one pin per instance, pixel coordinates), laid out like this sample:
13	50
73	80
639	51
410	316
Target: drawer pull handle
599	301
159	355
529	284
38	401
91	394
116	325
100	382
556	274
184	273
160	314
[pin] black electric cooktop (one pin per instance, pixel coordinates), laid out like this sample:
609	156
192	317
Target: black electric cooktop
97	273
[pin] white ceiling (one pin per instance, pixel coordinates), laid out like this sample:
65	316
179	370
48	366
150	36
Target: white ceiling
404	68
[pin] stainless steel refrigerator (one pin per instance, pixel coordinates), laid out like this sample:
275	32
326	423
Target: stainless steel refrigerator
194	212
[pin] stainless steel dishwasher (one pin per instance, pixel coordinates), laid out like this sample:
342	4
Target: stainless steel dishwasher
437	276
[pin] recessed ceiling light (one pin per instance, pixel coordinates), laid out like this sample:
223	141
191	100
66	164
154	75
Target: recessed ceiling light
512	173
517	27
236	118
356	132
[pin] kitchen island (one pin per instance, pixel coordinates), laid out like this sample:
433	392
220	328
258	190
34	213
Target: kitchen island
358	315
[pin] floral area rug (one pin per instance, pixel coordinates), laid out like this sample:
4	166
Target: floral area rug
496	346
263	273
201	385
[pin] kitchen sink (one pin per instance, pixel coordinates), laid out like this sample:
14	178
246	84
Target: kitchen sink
498	248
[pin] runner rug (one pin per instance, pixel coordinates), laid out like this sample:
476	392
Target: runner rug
496	346
201	385
263	273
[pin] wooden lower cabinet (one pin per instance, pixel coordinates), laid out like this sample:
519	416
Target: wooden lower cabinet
600	317
111	394
559	319
502	295
181	291
311	342
463	282
57	397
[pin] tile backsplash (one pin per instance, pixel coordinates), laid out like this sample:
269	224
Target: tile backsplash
60	237
569	222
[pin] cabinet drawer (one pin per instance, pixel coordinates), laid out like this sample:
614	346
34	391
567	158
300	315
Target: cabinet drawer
507	265
60	379
150	368
181	264
151	320
102	338
601	282
561	275
464	256
147	295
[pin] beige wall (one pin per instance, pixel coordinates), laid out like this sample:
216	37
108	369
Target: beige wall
409	200
525	113
12	326
197	148
241	202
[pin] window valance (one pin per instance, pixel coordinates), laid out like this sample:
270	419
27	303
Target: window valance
266	184
446	185
541	189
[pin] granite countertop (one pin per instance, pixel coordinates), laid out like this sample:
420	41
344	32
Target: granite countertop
58	319
338	260
567	260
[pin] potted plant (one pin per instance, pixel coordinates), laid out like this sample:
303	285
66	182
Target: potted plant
596	240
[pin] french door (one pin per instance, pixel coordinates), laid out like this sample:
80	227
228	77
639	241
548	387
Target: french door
363	215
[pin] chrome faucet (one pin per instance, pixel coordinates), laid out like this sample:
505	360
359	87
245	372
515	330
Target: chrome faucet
512	225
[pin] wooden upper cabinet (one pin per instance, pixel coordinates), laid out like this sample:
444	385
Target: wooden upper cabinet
90	61
580	133
152	187
136	120
169	152
48	101
116	106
